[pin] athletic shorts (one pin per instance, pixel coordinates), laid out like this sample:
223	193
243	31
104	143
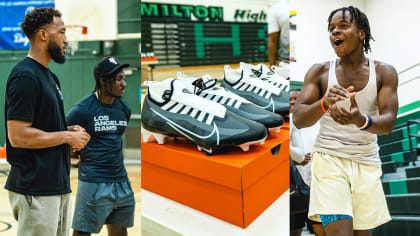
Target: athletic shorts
41	215
103	203
344	187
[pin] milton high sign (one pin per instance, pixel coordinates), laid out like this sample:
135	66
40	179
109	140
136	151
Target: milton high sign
186	12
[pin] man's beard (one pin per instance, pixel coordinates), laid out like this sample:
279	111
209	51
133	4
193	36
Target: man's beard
55	52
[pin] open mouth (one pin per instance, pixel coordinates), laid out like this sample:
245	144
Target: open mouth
338	42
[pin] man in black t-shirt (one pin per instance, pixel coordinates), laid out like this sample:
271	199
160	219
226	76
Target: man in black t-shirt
104	194
37	137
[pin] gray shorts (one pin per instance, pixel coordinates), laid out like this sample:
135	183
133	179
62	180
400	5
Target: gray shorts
41	215
103	203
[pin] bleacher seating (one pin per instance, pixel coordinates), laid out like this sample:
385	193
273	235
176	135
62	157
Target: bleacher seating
389	167
404	204
402	185
401	158
412	172
401	225
398	146
397	134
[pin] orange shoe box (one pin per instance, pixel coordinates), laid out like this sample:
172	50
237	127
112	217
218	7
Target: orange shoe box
286	125
235	187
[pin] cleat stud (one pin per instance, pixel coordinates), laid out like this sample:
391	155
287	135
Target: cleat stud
160	138
244	147
209	152
146	135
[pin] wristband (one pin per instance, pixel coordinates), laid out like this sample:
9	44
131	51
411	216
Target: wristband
322	106
366	123
370	123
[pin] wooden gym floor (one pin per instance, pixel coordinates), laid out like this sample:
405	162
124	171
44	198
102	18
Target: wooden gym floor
8	225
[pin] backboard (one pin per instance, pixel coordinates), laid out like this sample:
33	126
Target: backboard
99	16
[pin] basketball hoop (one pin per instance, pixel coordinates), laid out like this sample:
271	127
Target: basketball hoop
74	34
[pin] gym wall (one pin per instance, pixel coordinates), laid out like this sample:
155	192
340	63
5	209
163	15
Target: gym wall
396	42
76	75
205	32
312	42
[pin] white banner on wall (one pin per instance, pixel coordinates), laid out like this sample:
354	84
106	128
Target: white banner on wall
233	11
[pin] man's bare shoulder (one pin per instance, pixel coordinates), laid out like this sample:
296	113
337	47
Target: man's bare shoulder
317	70
385	70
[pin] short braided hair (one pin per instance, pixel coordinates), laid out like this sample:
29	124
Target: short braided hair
361	21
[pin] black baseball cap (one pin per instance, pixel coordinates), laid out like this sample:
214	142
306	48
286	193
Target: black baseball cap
108	66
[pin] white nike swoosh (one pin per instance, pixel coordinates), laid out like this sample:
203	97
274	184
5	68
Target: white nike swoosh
181	129
270	104
207	150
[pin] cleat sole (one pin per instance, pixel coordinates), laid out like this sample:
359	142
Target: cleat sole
160	138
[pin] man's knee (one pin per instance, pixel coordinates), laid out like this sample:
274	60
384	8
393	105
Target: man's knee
318	229
362	233
343	227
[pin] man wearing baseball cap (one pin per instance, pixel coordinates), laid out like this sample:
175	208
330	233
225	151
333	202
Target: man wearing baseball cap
104	193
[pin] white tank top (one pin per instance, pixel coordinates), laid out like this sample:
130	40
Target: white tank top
348	141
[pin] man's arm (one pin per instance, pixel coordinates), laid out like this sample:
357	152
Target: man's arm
273	46
307	109
21	134
22	93
387	101
273	30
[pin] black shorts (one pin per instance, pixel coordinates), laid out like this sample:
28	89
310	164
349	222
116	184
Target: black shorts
103	203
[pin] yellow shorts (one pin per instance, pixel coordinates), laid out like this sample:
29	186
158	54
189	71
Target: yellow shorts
344	187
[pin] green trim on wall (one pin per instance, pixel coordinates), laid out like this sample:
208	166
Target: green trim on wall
134	122
296	85
404	119
409	107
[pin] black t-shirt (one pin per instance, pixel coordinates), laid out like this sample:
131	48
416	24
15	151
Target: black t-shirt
102	158
33	95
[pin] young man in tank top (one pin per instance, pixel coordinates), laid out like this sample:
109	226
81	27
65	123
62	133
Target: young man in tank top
354	98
